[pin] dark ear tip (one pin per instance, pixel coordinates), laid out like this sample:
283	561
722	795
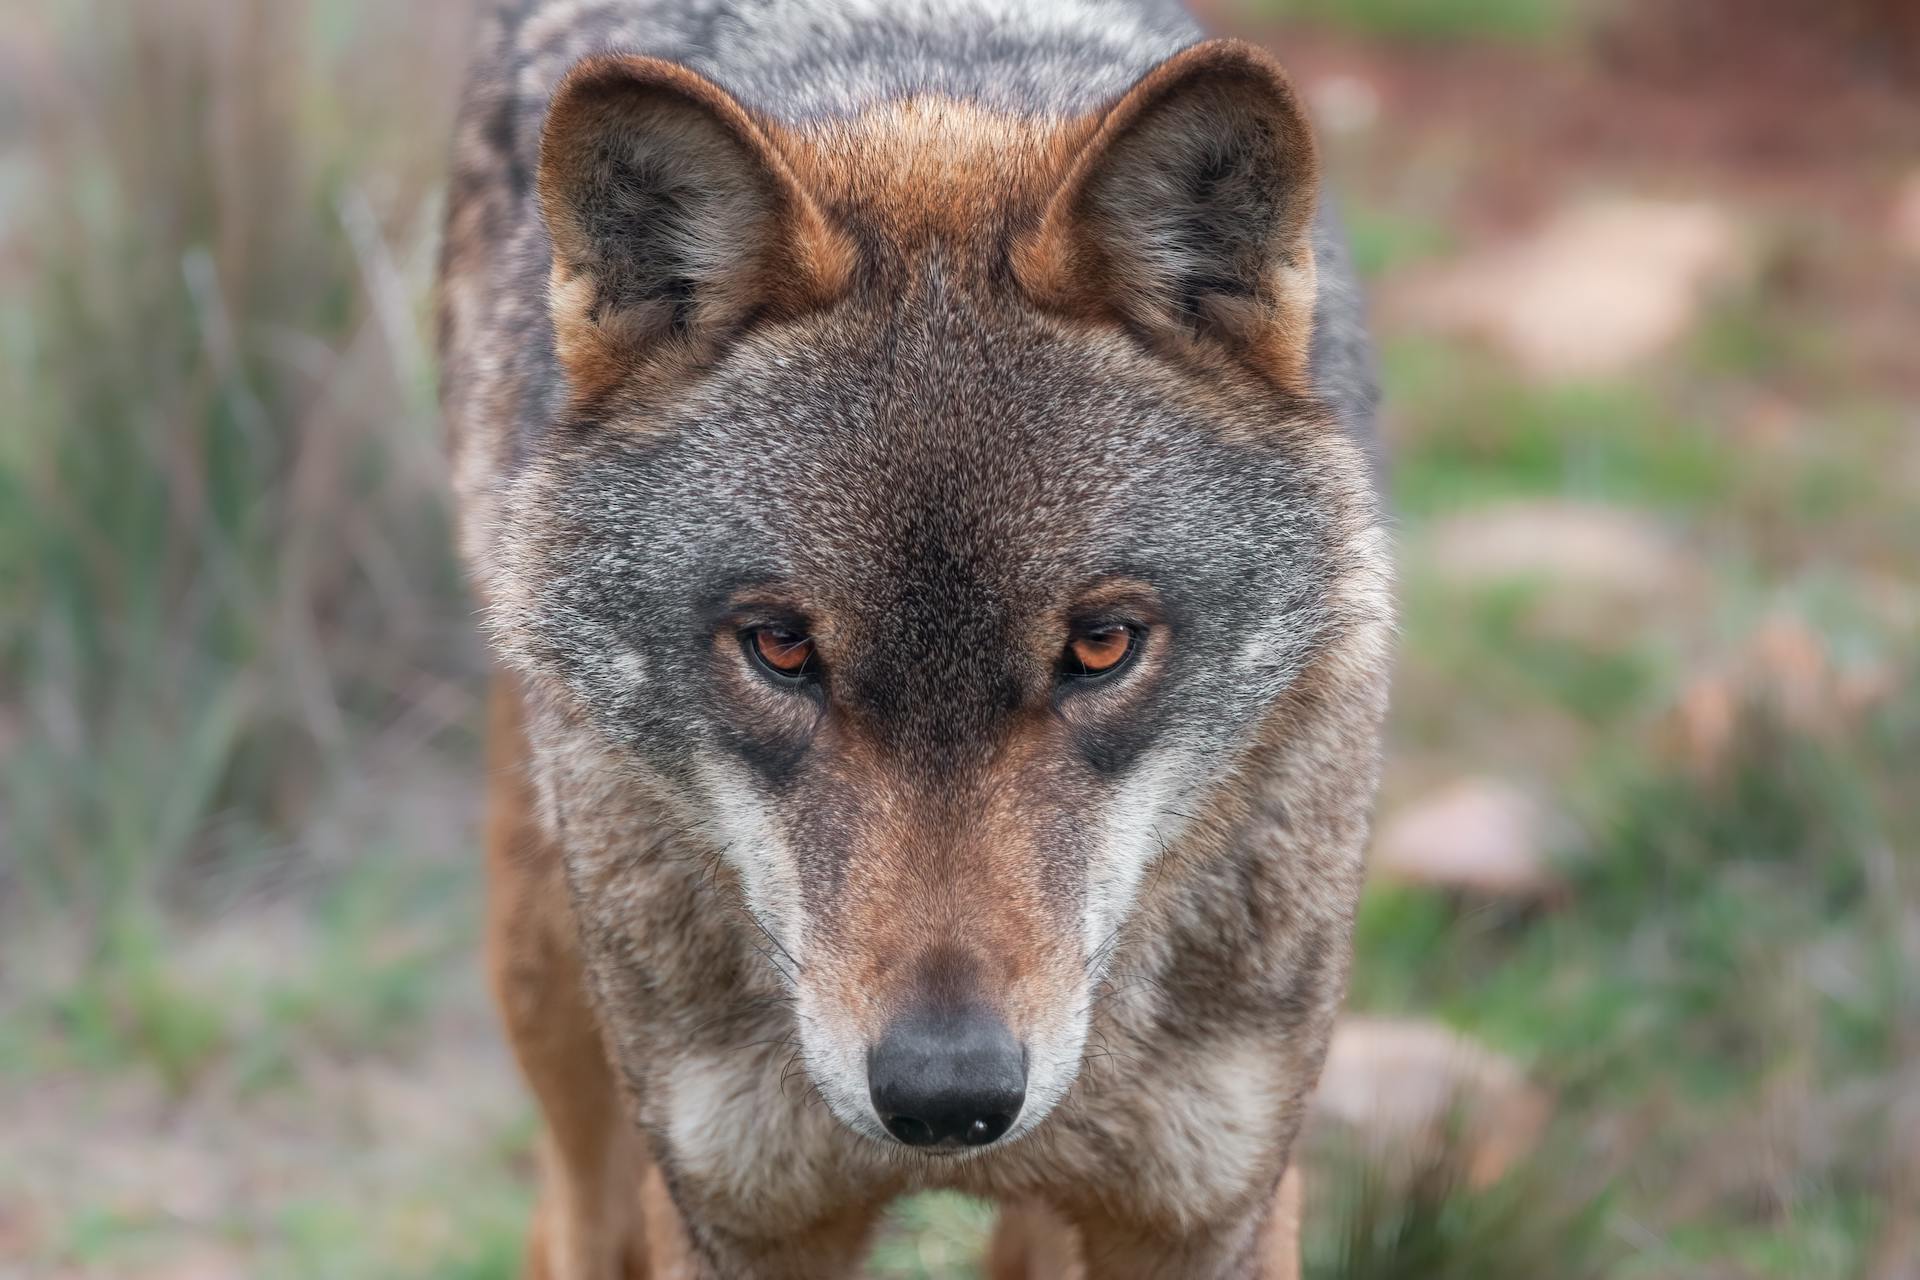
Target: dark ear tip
601	88
600	79
1261	68
1229	55
1225	68
1227	58
595	78
591	86
1229	51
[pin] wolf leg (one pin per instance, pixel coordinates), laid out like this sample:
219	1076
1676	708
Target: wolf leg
1262	1246
1281	1237
830	1250
589	1224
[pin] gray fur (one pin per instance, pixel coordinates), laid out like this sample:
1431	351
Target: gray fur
938	474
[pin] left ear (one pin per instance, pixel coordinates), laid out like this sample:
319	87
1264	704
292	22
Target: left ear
1188	214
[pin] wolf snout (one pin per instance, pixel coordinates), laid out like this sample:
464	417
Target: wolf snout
947	1079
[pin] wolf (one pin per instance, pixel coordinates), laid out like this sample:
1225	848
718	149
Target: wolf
913	460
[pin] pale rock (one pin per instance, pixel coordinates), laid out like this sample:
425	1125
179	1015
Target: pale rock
21	1231
1599	289
203	1264
1344	103
1904	224
1480	836
1409	1089
1609	555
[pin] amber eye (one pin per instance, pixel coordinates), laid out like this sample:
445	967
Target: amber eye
786	654
1100	651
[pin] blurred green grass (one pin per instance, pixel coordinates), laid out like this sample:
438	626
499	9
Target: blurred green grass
236	752
224	577
1512	21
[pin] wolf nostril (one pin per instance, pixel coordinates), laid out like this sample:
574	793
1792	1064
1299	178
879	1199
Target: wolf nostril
947	1079
911	1130
985	1129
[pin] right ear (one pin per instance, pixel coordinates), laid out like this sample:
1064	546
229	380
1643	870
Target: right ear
674	222
1188	213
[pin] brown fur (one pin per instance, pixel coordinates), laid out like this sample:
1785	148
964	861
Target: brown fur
923	171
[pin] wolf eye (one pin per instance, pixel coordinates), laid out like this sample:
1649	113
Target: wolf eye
783	653
1100	651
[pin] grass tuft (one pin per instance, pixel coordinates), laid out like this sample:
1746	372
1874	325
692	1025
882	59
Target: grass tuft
1419	1217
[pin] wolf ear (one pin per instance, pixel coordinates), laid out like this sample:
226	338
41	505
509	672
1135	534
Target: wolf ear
674	220
1188	213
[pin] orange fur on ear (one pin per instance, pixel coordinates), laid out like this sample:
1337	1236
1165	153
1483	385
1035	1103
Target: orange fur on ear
1188	214
675	220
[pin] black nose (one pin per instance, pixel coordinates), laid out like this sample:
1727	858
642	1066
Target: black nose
947	1079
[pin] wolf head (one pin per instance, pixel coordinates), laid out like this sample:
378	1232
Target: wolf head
939	512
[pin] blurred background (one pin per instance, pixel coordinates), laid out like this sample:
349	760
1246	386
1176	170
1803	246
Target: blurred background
1638	988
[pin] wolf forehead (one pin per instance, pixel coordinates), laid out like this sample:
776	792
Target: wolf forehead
932	476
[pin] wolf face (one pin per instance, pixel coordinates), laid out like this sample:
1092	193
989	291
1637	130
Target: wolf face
932	553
